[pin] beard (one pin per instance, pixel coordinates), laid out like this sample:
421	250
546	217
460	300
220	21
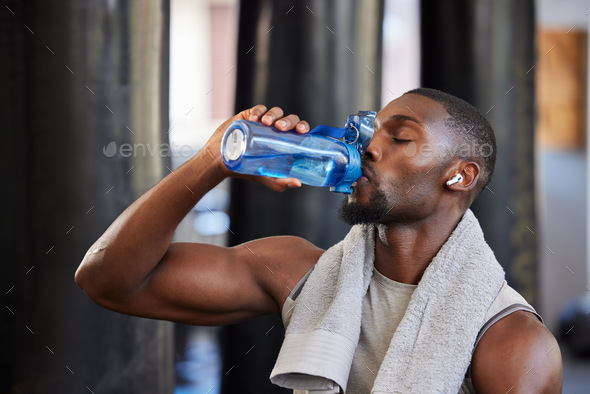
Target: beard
370	213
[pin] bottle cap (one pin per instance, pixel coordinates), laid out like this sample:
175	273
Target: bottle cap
361	127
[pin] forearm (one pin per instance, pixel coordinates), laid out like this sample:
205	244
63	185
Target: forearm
129	250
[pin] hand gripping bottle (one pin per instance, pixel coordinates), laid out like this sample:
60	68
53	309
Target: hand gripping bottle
325	156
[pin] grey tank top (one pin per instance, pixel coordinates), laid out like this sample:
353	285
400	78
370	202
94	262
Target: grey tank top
377	327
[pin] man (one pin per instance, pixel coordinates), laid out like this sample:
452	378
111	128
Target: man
430	156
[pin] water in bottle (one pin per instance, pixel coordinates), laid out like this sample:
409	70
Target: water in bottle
314	158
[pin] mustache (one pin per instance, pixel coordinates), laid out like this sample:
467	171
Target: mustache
367	169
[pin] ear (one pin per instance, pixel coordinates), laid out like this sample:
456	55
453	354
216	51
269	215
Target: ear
469	171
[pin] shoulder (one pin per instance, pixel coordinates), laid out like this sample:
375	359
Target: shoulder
517	353
278	262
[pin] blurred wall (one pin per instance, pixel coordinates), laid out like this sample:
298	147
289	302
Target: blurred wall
84	115
562	76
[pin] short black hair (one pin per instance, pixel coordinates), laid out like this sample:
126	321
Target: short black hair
467	125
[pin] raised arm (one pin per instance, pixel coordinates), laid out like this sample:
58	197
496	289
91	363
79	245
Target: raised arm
134	268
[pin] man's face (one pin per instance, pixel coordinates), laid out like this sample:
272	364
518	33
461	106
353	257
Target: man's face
405	165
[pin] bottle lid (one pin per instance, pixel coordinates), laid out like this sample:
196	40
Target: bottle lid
361	127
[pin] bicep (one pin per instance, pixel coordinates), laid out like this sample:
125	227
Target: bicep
210	285
200	284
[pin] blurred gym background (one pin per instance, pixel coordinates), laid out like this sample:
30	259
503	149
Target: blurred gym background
103	98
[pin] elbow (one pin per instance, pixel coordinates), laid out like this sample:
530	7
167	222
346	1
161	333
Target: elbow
88	268
81	277
84	277
80	274
93	286
101	282
91	280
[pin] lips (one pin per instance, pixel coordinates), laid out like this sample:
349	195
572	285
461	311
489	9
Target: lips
360	182
367	172
364	178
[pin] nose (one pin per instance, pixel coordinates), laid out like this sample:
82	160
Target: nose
373	152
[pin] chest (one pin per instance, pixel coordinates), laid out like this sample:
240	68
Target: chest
384	306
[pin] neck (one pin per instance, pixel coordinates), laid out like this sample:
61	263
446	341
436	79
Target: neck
404	251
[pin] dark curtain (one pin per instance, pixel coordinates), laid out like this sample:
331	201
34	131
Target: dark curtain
79	80
484	52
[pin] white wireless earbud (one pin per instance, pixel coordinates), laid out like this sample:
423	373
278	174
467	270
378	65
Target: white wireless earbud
456	179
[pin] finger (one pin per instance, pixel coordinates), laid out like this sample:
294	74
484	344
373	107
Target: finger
282	184
275	184
302	127
287	123
257	112
272	115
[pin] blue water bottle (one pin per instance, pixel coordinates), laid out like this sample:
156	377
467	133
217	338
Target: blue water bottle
324	157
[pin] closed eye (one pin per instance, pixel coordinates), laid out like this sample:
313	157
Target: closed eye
399	140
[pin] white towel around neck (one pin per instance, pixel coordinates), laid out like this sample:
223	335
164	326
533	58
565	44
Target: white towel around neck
433	344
